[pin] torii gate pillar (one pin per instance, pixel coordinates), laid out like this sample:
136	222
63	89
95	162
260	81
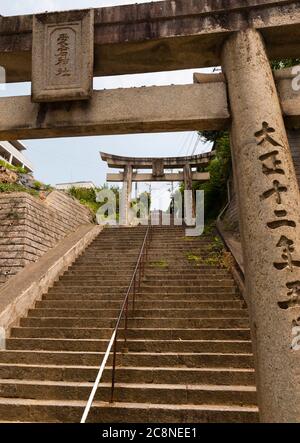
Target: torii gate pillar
269	208
126	197
188	185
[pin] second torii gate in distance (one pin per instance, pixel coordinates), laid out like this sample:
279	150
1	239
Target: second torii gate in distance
131	166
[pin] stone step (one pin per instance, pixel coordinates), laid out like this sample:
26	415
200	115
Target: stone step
181	239
89	289
115	244
140	313
189	273
153	280
136	374
115	237
134	345
146	289
152	273
180	283
93	283
78	322
102	255
158	334
108	280
171	260
168	255
106	290
103	268
70	411
107	262
203	296
112	259
184	267
56	295
115	247
112	241
129	392
179	248
154	304
132	359
159	249
188	356
123	253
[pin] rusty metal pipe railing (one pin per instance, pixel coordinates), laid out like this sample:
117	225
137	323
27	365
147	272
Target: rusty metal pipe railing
134	287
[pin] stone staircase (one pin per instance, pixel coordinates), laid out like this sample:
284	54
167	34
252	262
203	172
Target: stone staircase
190	357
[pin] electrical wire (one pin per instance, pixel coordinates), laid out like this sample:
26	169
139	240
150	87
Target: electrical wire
196	144
191	144
187	141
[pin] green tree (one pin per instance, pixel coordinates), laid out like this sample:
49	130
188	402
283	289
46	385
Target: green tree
220	170
87	196
285	63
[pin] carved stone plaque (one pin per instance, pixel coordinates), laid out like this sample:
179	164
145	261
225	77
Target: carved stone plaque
62	56
158	168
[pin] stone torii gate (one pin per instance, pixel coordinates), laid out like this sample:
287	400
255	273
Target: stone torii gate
131	166
61	52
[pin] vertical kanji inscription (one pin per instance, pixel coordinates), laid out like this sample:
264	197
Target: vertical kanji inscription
62	59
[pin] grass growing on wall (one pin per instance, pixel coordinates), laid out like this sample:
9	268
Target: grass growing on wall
15	187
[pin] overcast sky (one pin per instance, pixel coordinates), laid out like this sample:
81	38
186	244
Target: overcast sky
77	159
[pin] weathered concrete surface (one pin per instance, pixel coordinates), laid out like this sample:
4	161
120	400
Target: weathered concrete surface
167	35
22	291
269	207
176	177
200	106
152	109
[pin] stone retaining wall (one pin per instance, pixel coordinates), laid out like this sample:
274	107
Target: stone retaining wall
231	218
30	227
294	138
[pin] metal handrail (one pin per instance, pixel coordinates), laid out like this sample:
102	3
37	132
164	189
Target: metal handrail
135	284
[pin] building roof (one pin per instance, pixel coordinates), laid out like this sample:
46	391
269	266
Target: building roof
18	145
76	183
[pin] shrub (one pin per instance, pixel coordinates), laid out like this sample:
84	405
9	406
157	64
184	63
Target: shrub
87	197
18	169
37	185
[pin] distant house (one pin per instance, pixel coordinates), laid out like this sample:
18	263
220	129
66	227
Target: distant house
67	186
12	153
